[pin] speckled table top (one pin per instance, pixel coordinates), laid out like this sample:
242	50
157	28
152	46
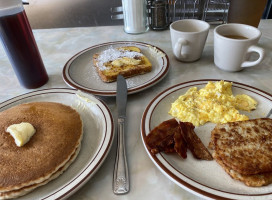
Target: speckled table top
147	182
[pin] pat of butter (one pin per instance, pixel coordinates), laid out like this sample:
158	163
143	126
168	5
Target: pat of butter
125	61
21	132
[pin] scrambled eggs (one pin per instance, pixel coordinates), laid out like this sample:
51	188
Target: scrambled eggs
215	103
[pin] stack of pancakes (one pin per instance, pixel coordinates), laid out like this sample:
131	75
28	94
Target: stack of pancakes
244	150
49	152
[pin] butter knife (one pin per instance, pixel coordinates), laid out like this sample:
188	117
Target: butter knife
120	174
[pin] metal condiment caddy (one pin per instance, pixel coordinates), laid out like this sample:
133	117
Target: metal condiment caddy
161	13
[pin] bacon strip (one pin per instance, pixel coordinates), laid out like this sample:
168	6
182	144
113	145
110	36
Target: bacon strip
195	145
172	136
180	145
161	138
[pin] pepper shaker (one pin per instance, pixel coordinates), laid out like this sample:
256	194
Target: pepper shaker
159	12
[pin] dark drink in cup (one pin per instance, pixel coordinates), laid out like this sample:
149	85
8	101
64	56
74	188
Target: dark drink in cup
20	45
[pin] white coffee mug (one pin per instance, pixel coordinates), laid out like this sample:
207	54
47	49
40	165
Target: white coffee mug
188	37
233	44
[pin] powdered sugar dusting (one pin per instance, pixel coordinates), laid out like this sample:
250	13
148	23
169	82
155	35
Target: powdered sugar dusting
112	54
155	52
134	81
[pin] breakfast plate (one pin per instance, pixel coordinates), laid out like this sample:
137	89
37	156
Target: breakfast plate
79	72
203	178
98	133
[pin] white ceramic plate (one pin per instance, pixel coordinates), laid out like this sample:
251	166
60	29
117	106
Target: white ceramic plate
80	73
97	140
203	178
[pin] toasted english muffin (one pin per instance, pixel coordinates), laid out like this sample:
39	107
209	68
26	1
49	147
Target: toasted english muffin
127	61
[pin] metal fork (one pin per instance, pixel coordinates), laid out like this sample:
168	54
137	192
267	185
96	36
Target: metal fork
270	112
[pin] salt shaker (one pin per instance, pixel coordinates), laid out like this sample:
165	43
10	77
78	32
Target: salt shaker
135	16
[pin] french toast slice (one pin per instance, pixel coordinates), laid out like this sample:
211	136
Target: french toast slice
127	61
244	146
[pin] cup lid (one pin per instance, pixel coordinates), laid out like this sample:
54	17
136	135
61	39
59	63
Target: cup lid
10	7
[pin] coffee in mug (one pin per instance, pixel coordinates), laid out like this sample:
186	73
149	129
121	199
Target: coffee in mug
235	37
233	44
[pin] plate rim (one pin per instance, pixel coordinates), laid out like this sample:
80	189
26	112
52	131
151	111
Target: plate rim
132	90
177	180
64	191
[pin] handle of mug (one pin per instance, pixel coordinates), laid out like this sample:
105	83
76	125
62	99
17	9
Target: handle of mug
178	47
258	50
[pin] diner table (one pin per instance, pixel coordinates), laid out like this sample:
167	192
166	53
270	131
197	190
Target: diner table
58	45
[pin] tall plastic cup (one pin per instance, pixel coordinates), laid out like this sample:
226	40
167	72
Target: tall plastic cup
20	45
